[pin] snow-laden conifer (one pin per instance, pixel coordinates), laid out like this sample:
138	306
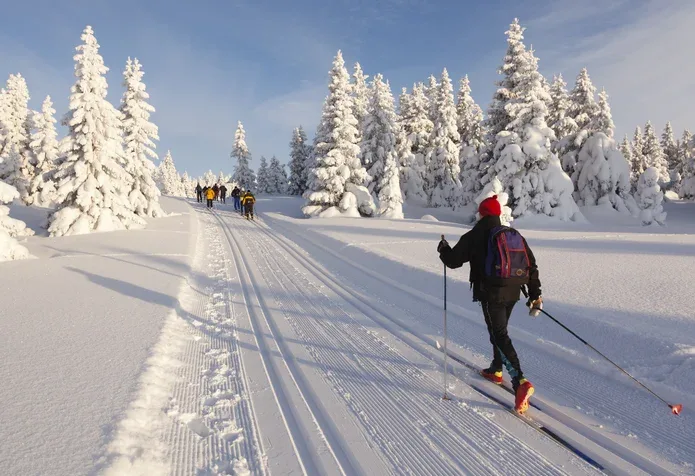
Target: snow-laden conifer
169	178
494	188
92	185
243	175
649	198
262	176
10	228
638	163
299	161
139	135
209	179
379	132
472	140
277	177
336	160
188	185
669	146
522	156
17	168
654	154
413	141
559	120
44	147
360	99
442	183
583	110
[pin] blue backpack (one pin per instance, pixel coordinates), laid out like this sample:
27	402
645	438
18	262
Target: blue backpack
506	262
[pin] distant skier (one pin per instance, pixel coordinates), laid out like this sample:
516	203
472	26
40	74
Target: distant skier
248	200
216	189
223	193
199	193
210	196
236	195
501	263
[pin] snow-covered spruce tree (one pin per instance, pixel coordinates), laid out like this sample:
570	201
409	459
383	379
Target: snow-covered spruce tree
649	198
379	149
472	140
299	160
685	166
442	183
360	99
654	154
494	188
337	174
169	178
523	161
638	164
277	177
603	120
188	185
139	135
15	121
243	175
44	147
209	179
430	91
558	119
670	148
413	142
262	177
603	175
379	132
10	228
583	109
92	185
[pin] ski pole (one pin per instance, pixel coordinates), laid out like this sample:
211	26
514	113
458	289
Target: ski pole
446	396
675	409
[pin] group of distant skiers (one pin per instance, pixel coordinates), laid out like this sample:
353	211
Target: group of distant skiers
244	200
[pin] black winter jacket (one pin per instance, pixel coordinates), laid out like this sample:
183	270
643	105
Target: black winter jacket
472	248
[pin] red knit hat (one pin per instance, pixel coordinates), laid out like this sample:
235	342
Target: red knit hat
490	206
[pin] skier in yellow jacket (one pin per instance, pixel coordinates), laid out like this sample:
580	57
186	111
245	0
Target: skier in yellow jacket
247	201
210	196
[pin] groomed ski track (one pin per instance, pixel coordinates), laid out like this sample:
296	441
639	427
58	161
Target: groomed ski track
358	396
412	306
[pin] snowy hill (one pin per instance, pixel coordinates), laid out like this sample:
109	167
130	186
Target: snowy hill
206	344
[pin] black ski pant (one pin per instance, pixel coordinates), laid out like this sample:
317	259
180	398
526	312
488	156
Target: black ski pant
199	196
224	198
248	209
210	200
497	317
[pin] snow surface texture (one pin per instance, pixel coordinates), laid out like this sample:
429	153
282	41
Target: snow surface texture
306	347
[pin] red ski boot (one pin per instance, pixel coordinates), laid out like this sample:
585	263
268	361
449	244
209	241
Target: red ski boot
523	393
494	376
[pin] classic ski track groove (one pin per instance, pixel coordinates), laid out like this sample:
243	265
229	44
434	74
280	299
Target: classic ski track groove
444	431
450	437
551	417
212	346
310	458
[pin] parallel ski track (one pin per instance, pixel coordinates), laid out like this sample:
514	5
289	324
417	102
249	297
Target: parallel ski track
550	415
608	407
448	441
200	376
298	429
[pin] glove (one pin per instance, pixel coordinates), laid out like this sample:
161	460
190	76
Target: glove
535	306
442	244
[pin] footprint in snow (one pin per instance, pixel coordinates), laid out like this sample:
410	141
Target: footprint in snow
195	424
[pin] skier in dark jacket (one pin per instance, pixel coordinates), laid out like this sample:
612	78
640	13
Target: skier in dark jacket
199	193
497	302
236	195
216	189
223	193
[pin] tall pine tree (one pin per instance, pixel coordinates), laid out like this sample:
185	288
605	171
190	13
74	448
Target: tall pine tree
414	140
139	135
472	140
92	184
442	183
558	113
15	121
669	146
336	152
299	161
277	177
583	109
262	176
243	175
654	154
360	101
44	146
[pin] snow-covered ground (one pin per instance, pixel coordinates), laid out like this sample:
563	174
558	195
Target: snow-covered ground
206	344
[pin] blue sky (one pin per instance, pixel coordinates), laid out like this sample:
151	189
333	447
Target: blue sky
209	64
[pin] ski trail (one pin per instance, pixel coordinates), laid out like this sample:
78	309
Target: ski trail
412	304
417	434
192	414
